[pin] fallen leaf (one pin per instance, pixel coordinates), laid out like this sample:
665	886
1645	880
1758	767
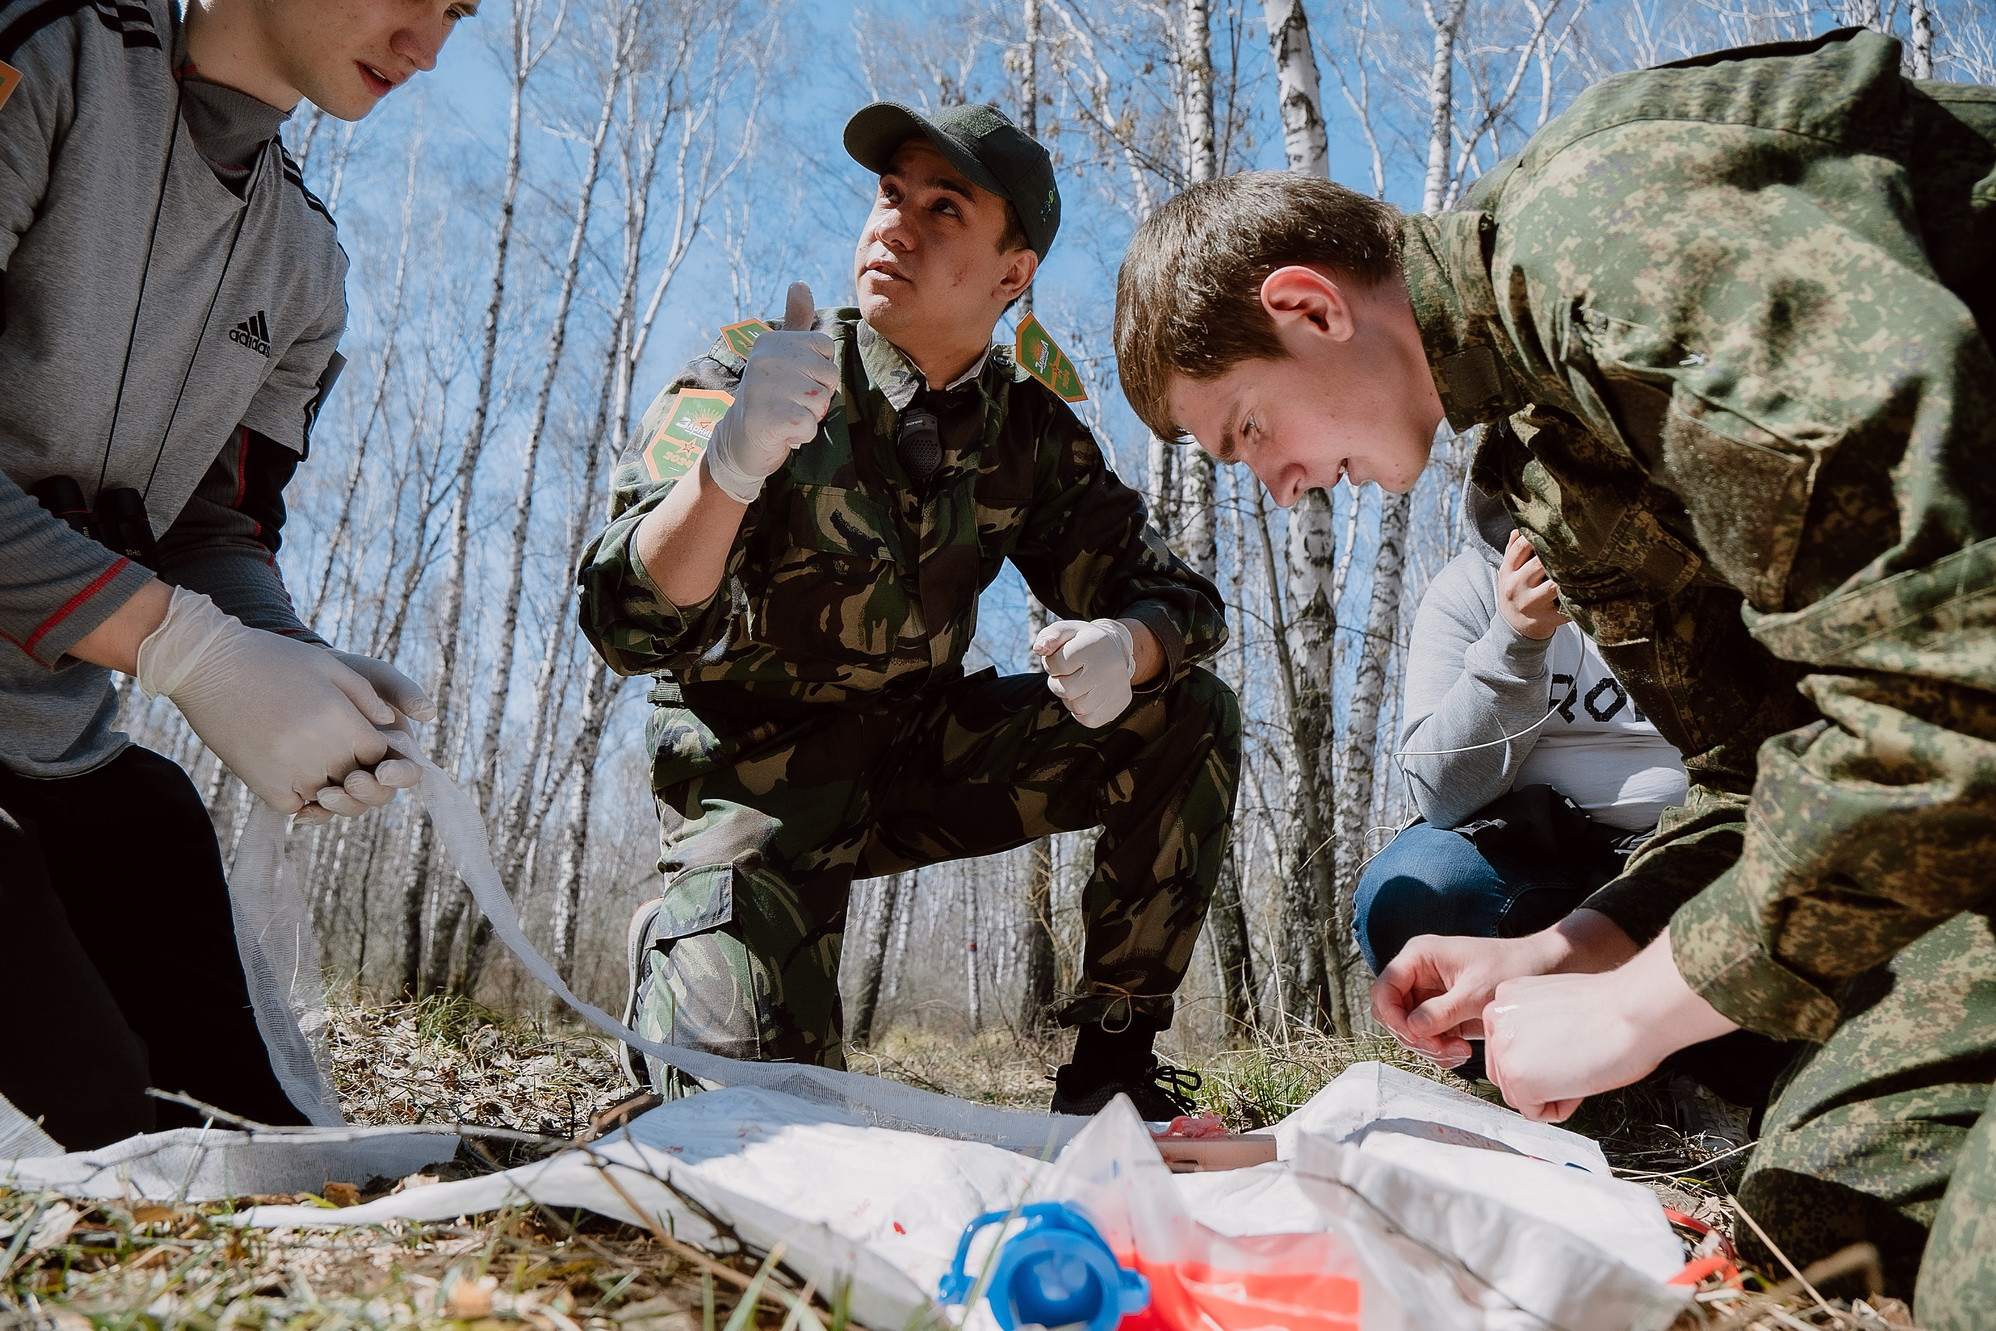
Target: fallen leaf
466	1299
53	1227
415	1181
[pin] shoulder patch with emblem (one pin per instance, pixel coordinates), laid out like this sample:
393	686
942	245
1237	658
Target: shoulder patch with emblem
740	337
10	78
675	447
1040	357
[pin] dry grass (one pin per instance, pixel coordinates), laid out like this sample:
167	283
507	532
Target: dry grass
76	1266
448	1060
994	1067
72	1266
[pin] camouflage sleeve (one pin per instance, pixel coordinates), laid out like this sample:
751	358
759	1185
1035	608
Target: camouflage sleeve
1089	552
1751	313
1717	695
626	618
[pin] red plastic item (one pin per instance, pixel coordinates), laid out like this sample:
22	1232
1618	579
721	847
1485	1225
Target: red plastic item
1695	1271
1701	1229
1722	1261
1272	1280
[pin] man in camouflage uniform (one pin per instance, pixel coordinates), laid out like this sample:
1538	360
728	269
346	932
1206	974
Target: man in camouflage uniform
807	613
1726	326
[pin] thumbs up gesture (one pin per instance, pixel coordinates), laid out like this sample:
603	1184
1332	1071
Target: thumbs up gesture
786	389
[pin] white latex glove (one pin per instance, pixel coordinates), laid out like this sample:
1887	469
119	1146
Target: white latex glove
288	717
1089	664
363	790
786	389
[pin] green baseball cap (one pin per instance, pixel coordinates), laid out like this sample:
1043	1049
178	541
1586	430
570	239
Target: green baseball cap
980	142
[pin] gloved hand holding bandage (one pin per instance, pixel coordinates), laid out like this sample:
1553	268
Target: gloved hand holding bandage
1090	666
292	719
363	790
785	390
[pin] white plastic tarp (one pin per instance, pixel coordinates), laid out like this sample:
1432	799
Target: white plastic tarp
878	1211
214	1164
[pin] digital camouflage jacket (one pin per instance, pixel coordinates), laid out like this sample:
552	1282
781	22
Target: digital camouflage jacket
848	585
1726	321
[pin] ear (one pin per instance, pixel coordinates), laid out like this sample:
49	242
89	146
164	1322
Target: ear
1302	301
1020	266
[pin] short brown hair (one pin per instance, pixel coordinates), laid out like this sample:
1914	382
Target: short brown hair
1188	298
1014	236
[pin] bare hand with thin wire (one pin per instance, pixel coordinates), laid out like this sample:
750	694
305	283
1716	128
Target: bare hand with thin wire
1526	598
1432	996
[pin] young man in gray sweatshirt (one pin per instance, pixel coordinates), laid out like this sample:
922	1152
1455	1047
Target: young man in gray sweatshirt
171	298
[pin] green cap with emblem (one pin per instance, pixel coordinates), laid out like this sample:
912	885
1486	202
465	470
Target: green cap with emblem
980	142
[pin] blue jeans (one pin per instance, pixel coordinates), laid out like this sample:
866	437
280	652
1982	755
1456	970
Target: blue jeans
1430	881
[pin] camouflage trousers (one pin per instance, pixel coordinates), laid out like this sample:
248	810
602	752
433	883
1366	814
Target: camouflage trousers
742	958
1886	1133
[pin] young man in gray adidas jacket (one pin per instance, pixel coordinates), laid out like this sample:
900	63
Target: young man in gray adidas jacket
170	304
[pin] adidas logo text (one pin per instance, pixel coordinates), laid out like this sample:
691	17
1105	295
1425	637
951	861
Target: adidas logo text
254	333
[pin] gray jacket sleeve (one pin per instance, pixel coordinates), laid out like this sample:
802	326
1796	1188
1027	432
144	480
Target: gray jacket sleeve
1471	679
55	585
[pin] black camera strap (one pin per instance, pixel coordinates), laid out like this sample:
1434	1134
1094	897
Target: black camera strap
207	316
145	275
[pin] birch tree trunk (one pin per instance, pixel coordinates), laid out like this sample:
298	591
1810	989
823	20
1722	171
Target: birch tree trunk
1038	965
1382	620
575	845
1029	95
1304	992
509	613
1163	471
973	991
1298	93
903	921
1313	953
580	769
633	330
873	957
1197	518
452	618
1036	960
487	770
336	544
1921	15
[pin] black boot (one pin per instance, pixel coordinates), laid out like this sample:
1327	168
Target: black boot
1159	1091
1108	1063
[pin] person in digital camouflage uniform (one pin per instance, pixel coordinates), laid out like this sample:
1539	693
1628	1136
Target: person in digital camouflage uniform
1725	325
807	614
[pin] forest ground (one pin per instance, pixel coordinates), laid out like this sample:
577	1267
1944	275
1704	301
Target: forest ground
79	1265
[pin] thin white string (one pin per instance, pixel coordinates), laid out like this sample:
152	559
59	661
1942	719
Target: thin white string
1503	739
1400	755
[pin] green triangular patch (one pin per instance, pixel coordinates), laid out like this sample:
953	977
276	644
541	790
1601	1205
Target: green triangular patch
740	337
1043	359
675	447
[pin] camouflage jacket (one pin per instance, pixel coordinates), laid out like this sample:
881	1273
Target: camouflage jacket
848	584
1726	323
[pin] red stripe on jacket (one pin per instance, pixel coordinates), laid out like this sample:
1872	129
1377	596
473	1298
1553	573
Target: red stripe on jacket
69	607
